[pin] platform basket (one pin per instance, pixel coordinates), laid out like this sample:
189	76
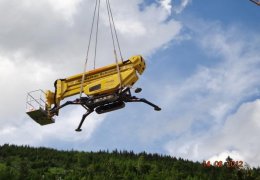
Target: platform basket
36	107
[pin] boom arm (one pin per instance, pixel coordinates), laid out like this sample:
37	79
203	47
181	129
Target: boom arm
100	81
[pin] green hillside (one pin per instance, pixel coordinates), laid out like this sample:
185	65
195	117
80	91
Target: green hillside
24	162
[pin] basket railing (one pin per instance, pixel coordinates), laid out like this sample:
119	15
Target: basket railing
35	100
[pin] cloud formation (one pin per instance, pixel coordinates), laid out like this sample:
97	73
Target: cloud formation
167	4
239	135
178	8
214	114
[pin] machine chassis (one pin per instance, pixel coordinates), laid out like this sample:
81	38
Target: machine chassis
104	103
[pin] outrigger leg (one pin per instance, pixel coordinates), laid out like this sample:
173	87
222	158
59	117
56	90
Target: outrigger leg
135	99
55	110
83	119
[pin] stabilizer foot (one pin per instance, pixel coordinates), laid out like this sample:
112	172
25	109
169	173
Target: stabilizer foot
135	99
138	90
83	119
157	108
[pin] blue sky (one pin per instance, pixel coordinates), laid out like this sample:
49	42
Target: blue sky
203	70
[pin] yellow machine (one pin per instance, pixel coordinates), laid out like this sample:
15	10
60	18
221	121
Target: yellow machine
106	89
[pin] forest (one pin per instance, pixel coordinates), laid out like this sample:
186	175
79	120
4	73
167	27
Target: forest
24	162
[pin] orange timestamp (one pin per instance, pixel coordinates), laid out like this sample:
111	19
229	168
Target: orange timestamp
229	164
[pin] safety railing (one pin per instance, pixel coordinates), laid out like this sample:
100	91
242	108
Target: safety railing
35	100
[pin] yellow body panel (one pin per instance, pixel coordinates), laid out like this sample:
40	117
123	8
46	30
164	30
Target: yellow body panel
99	81
110	84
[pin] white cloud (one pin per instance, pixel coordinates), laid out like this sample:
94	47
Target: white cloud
174	6
240	133
184	148
132	28
197	111
167	4
178	8
237	138
223	156
55	135
53	40
67	8
19	76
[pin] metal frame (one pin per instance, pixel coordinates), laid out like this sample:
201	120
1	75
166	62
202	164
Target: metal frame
96	103
35	100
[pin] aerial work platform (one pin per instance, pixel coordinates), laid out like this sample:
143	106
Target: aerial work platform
101	90
107	89
36	108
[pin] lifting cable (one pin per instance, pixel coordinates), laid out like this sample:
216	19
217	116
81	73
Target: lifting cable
96	35
113	33
112	27
110	11
90	37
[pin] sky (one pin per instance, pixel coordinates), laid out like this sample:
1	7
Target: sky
203	60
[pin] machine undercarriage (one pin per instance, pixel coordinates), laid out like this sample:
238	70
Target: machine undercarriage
104	103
